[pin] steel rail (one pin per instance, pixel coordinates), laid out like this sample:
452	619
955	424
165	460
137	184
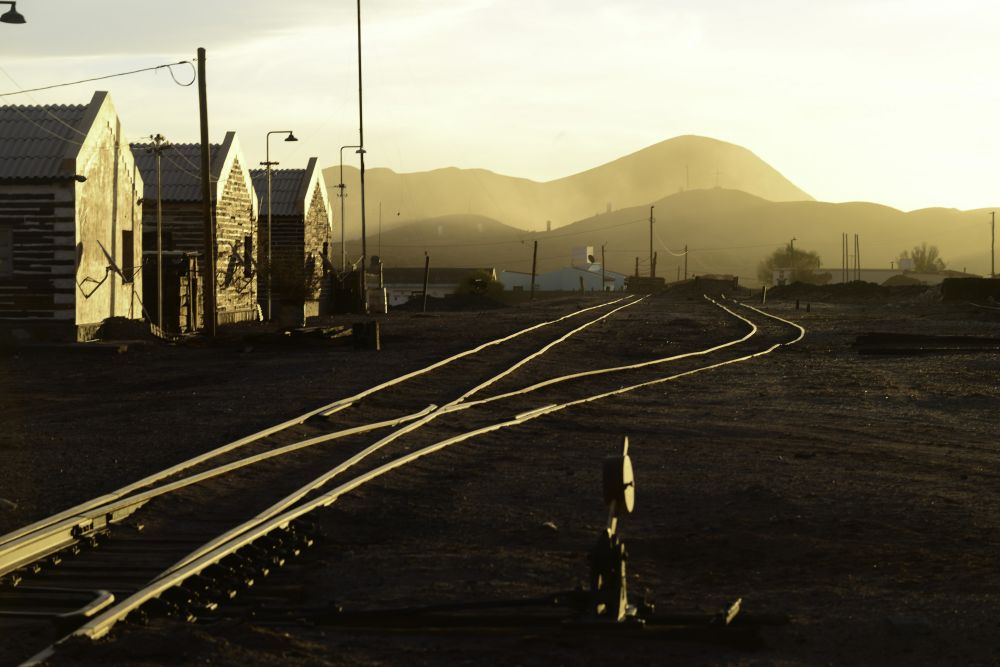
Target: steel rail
349	463
614	369
982	306
101	625
326	410
50	539
802	331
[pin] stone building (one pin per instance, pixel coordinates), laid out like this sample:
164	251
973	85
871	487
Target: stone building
70	220
301	224
234	207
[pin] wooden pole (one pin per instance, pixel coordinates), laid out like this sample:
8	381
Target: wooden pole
427	275
685	262
158	149
602	267
361	150
208	288
534	265
857	254
652	264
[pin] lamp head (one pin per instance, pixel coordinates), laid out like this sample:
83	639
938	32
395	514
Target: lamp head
11	15
291	137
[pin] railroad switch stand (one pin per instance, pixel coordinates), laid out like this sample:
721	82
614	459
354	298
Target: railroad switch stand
608	557
605	607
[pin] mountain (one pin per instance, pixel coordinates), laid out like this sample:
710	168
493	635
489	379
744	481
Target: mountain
680	164
727	231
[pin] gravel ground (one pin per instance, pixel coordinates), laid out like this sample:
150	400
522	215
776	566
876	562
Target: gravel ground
857	494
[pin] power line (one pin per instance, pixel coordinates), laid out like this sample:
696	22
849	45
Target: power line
111	76
44	108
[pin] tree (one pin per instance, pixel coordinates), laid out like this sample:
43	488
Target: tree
481	282
926	259
802	263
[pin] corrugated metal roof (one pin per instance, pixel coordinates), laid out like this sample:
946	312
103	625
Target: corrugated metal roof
180	170
286	189
34	140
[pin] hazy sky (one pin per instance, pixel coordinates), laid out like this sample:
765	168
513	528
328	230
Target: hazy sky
894	101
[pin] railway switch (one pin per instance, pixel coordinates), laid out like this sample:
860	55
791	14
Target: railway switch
608	585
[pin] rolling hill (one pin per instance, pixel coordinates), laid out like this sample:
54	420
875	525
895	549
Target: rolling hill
679	164
727	231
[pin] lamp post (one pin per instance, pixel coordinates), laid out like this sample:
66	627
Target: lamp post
268	164
343	241
11	15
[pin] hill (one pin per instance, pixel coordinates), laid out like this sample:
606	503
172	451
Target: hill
680	164
727	231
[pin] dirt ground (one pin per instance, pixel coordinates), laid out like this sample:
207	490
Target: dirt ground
856	494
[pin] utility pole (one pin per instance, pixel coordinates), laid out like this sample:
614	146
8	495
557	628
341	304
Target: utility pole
843	257
208	270
602	266
993	244
791	257
857	257
652	266
361	151
427	275
159	143
685	262
534	264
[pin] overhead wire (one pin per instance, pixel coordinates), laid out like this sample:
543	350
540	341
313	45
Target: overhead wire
59	120
43	108
110	76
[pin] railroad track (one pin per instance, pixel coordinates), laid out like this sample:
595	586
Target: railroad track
178	558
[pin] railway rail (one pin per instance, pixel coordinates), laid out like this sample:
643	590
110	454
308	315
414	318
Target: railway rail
211	563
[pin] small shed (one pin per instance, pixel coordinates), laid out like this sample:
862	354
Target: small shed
70	220
301	224
234	209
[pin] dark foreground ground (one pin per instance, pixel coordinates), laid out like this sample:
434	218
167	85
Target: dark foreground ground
858	494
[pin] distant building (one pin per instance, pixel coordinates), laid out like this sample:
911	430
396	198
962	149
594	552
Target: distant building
301	224
403	284
566	279
70	220
234	210
582	257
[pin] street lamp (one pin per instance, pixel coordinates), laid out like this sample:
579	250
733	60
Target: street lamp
343	242
268	164
11	15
